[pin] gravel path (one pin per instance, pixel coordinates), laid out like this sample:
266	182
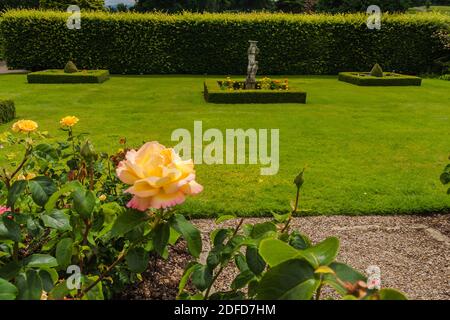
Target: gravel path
413	252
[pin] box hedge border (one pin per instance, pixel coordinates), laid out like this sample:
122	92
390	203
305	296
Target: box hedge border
213	94
190	43
49	76
7	110
398	80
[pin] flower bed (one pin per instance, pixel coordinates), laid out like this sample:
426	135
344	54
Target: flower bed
7	111
388	79
59	76
267	91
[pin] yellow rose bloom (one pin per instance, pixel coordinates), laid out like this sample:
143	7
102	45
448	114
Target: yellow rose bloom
159	178
102	197
24	126
69	121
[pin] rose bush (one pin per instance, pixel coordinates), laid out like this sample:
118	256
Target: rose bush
277	263
66	231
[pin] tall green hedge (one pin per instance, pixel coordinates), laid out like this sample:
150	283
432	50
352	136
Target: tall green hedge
217	43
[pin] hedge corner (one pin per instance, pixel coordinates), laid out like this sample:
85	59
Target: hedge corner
7	111
59	76
388	79
214	94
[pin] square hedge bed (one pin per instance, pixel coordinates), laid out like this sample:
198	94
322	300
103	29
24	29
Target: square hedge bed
214	94
59	76
388	79
7	110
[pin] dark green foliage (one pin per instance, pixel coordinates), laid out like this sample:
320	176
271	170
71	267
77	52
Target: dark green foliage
70	67
294	6
203	5
335	6
217	43
59	76
64	4
251	96
7	111
12	4
376	71
389	79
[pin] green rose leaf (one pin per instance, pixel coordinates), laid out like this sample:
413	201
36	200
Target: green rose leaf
160	236
29	285
189	270
41	261
67	188
242	279
57	220
254	260
344	273
127	221
202	277
290	280
189	232
15	191
391	294
64	252
224	218
274	251
84	203
10	270
7	290
321	254
41	189
137	260
9	230
261	229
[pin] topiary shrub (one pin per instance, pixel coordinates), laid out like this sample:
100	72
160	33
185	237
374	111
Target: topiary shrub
70	67
7	111
376	71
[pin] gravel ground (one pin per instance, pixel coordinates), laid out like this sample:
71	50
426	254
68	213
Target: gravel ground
413	253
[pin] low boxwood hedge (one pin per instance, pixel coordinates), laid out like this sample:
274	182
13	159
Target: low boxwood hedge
388	79
214	94
190	43
7	110
59	76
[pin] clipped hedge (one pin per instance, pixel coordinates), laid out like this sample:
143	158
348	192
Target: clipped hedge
214	94
59	76
7	111
388	79
217	43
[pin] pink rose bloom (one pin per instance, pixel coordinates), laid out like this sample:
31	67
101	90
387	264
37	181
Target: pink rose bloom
4	209
158	177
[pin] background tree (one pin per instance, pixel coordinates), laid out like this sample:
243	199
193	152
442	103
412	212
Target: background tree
294	6
64	4
12	4
335	6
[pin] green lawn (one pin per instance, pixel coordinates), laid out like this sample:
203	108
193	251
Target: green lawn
369	150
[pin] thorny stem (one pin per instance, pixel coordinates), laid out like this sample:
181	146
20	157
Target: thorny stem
24	160
222	267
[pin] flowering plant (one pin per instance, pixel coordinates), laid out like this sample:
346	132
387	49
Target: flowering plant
264	84
69	228
275	262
